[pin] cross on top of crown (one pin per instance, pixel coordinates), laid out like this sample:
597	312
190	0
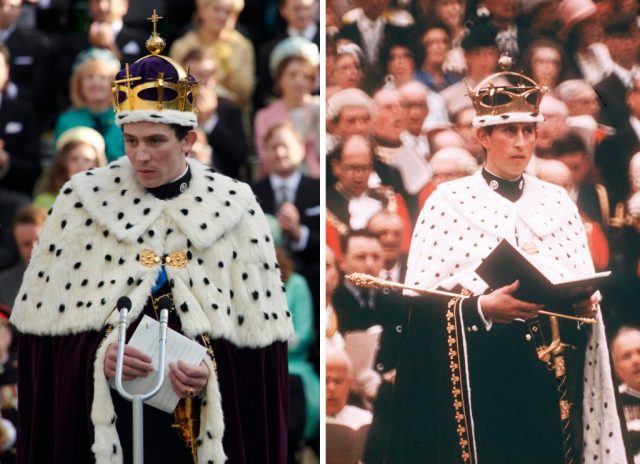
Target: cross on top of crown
154	19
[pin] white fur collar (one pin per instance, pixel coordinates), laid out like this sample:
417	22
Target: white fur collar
542	206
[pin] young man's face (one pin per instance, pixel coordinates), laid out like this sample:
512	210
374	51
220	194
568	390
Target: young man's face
156	154
299	13
509	148
285	152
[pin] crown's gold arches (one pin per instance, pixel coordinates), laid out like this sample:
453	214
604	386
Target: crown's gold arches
186	90
522	97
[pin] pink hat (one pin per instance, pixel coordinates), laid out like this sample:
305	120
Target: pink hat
571	12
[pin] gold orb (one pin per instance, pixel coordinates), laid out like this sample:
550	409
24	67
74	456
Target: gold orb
155	44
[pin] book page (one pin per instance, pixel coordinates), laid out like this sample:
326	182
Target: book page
178	348
362	348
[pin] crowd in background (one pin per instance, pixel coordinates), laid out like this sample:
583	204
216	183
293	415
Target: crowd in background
399	123
257	64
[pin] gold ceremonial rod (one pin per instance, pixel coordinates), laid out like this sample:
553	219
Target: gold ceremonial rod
368	281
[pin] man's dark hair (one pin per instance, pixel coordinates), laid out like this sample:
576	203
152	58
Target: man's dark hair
364	233
620	24
568	143
180	131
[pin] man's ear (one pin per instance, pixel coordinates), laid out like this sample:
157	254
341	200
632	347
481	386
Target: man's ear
483	137
188	141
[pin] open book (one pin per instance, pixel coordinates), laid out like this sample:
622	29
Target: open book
362	347
345	444
507	263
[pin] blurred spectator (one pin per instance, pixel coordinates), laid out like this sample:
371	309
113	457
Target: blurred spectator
543	61
446	137
219	117
91	99
350	202
300	303
26	230
8	387
349	112
448	163
481	55
332	278
463	126
235	54
301	21
510	38
587	56
10	204
390	230
31	55
579	97
623	40
19	131
452	13
414	101
294	199
436	40
558	173
294	65
387	125
201	149
108	31
625	351
104	30
77	149
339	378
614	153
591	197
348	68
400	56
554	125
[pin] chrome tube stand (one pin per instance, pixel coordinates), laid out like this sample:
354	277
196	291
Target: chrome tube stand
139	399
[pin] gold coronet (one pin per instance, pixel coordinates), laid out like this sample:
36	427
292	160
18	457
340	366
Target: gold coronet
128	97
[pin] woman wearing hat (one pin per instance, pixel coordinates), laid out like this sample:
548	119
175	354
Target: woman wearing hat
77	150
91	99
294	64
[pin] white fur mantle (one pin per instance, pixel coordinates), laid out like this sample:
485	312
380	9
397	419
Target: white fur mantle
87	258
463	220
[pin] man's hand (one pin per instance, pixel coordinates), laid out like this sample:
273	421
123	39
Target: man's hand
135	363
188	380
289	219
587	307
502	307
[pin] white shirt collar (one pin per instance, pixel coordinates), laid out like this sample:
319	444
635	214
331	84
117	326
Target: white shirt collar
6	33
308	32
116	27
290	183
625	75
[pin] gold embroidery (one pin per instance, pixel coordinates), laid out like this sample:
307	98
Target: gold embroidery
149	258
460	416
530	247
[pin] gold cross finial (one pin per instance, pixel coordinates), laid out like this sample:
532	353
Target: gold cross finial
154	19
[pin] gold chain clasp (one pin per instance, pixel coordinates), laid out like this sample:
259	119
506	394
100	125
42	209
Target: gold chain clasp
177	259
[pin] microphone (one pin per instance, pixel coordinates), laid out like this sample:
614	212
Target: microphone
123	302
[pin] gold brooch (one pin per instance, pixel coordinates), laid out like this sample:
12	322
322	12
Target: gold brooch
177	259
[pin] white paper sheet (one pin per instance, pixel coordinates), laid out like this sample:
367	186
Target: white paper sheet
179	348
362	347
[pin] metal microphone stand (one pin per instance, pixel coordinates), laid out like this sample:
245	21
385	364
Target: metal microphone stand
138	444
